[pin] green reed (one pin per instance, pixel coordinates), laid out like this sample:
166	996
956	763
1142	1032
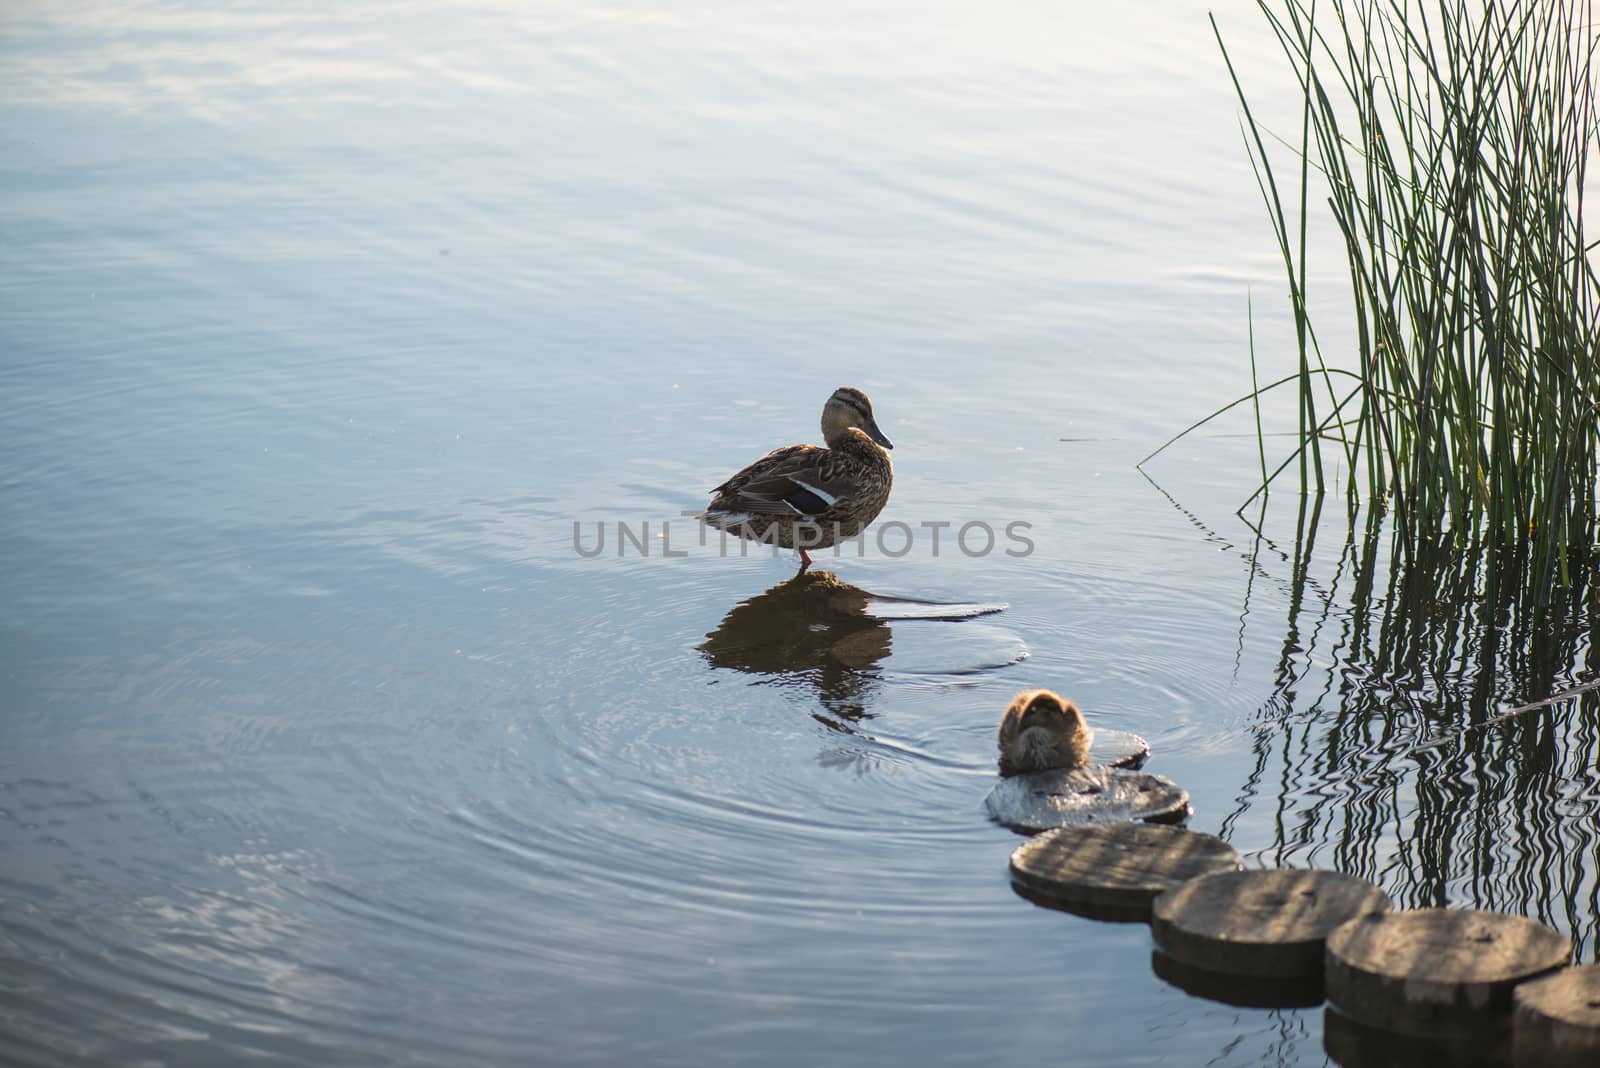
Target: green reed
1450	142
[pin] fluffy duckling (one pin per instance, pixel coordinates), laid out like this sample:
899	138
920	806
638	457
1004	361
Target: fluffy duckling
807	497
1042	730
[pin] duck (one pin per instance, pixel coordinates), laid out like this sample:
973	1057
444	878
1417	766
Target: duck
1042	730
807	496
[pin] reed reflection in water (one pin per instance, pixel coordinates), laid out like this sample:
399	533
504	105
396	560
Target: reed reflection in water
1432	729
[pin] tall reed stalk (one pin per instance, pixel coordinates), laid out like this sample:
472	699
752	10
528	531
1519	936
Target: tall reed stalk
1451	142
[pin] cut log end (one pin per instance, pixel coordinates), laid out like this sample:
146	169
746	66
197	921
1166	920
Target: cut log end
1557	1018
1437	972
1257	923
1119	866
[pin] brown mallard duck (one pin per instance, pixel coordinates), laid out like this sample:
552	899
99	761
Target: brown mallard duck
1042	730
807	497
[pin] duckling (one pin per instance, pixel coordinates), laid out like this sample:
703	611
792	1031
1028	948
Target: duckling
806	497
1042	730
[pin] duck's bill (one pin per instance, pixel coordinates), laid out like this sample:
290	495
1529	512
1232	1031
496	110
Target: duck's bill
877	435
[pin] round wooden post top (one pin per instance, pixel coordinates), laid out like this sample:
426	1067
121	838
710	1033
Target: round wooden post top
1558	1018
1269	922
1118	749
1043	800
1437	971
1117	866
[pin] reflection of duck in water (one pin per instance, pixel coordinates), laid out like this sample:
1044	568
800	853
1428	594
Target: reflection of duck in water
790	630
805	497
1042	730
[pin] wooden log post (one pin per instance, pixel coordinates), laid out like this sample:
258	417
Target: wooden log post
1114	870
1262	923
1042	800
1438	972
1557	1018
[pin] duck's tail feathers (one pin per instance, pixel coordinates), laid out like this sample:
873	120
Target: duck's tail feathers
724	520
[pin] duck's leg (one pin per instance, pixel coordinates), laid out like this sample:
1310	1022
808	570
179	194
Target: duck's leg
805	559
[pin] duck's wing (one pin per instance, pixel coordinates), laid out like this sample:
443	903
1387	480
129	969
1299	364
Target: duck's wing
797	480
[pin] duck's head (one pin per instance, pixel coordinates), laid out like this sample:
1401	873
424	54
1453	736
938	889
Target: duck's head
1042	730
849	407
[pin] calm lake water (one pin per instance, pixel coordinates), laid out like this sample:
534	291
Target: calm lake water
322	325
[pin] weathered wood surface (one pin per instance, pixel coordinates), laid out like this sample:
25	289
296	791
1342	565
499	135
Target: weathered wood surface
1243	991
1043	800
1437	972
1256	923
1119	867
1557	1018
